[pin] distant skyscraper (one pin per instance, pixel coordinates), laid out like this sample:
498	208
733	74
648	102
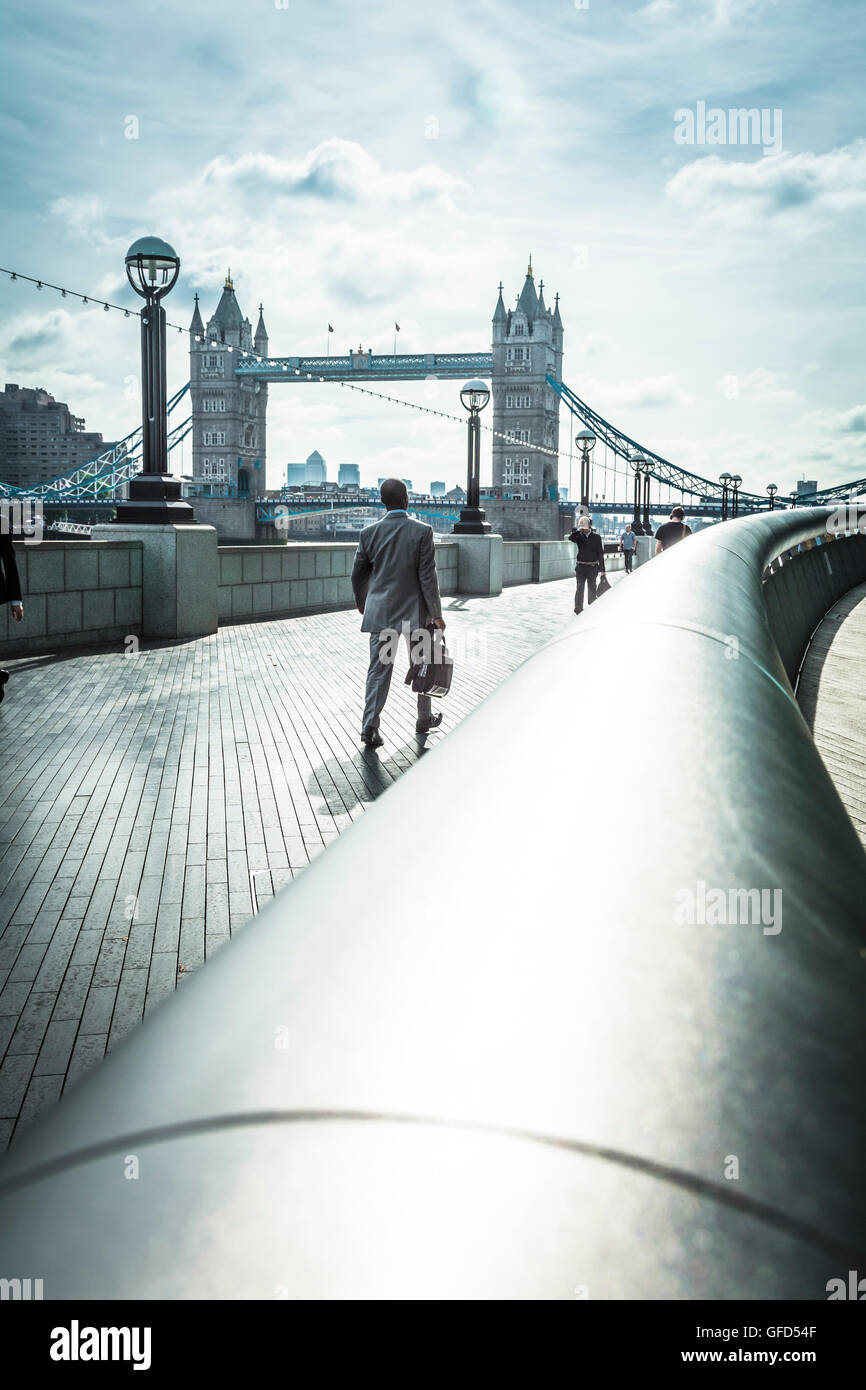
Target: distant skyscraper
349	473
315	469
437	489
40	438
804	487
296	474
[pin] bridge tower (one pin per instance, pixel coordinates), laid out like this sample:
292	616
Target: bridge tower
229	413
527	344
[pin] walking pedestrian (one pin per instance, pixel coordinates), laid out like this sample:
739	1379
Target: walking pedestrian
627	545
590	561
397	591
672	531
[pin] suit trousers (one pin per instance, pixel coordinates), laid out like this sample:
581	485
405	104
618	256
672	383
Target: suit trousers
379	675
586	575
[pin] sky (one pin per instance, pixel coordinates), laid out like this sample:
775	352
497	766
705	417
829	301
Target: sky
361	165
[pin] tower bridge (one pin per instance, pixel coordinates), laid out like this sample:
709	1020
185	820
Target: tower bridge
231	371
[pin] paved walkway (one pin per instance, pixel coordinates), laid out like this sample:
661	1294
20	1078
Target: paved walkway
150	804
832	696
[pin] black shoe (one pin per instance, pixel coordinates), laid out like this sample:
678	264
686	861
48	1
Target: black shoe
423	726
371	738
4	676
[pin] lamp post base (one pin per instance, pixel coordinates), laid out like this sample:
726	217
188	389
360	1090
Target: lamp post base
155	500
472	523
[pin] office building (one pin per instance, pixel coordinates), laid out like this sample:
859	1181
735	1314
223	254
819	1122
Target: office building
40	438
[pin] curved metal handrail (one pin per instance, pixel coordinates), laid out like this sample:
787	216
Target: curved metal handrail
476	1049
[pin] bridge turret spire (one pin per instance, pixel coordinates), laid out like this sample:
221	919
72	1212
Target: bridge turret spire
196	326
557	321
500	314
528	300
261	338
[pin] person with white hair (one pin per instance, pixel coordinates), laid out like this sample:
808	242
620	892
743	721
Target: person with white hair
590	561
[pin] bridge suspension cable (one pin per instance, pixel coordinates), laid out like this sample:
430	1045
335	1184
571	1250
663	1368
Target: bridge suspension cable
627	449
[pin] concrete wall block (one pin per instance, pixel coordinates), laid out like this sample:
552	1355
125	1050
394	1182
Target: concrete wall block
114	567
231	569
289	564
44	571
281	596
242	600
271	565
323	563
135	563
315	592
35	613
63	613
480	564
262	598
97	607
224	602
299	594
82	568
127	609
308	563
251	567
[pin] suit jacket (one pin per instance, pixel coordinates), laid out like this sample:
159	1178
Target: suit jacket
10	584
394	575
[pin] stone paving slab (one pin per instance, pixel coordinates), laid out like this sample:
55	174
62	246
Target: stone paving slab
150	804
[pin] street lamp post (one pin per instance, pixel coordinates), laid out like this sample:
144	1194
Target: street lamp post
585	442
474	397
772	489
724	479
735	494
795	497
152	268
647	474
637	463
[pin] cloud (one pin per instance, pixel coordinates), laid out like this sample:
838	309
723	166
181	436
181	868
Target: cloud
798	190
336	170
759	385
650	393
839	422
85	218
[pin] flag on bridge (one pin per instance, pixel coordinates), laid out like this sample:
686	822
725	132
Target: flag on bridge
396	331
328	339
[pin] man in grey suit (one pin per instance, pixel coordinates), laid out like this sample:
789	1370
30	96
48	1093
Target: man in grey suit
396	590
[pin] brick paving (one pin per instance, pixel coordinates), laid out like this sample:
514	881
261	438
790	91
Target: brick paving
151	803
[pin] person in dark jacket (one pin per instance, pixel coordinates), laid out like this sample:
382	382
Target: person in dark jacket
590	561
10	589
